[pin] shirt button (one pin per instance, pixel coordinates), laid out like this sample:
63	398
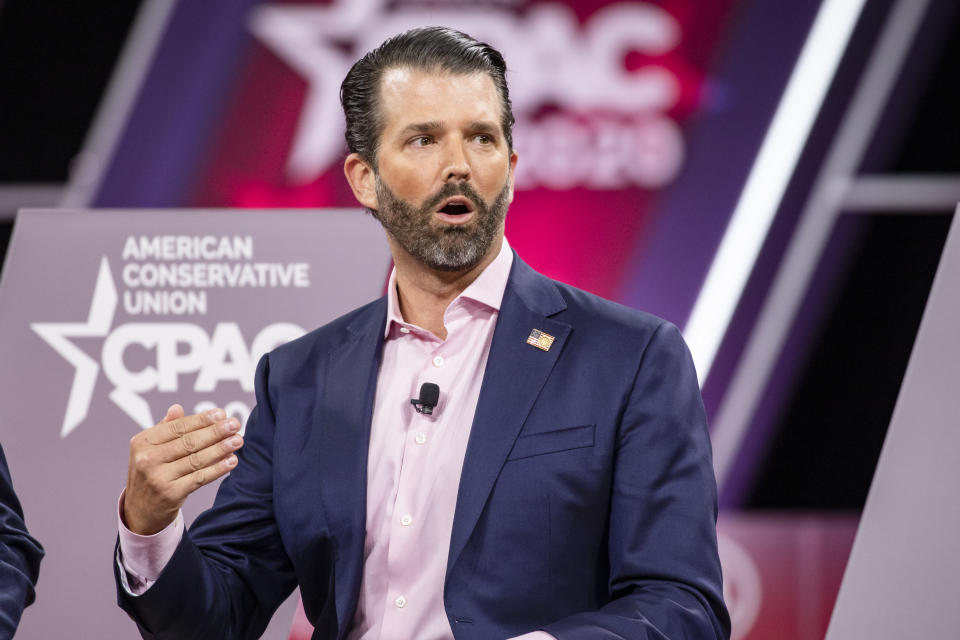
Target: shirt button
438	361
401	602
406	520
404	330
421	438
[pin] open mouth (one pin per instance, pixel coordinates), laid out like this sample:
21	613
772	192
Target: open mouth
456	207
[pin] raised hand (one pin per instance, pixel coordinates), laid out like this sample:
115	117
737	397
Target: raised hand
171	460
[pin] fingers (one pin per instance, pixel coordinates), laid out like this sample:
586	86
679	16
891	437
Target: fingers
207	457
194	441
205	475
172	429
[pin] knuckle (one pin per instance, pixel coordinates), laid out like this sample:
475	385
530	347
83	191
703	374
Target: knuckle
176	428
199	477
189	442
195	461
140	441
142	460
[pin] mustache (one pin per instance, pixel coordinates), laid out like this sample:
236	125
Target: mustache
451	189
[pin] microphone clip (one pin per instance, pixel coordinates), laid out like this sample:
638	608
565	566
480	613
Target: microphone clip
429	397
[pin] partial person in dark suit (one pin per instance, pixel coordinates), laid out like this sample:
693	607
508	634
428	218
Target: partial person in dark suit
563	485
20	556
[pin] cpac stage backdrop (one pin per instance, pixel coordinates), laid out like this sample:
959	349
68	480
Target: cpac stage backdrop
639	126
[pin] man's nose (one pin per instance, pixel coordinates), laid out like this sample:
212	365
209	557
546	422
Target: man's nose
456	166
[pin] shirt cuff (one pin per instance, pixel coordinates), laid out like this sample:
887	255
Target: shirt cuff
142	558
534	635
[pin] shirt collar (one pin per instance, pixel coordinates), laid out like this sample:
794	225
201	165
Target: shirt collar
487	289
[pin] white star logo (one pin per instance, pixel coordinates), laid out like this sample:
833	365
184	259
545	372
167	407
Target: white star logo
302	37
98	324
311	40
556	59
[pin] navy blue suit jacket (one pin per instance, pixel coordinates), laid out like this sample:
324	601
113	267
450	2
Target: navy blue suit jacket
586	507
20	556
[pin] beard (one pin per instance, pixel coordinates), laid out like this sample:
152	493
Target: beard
444	247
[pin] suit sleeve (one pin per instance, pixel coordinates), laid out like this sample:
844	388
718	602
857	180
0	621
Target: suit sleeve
665	580
20	557
230	571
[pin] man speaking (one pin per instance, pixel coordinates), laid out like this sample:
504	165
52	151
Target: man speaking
482	453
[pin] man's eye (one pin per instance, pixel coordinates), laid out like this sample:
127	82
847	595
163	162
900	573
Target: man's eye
483	139
421	141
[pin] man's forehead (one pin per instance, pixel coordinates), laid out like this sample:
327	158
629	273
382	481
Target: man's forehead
406	82
398	76
409	96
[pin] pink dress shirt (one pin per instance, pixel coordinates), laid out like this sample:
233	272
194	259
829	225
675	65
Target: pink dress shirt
413	468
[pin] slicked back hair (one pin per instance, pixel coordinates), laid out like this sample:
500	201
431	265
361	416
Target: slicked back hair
425	49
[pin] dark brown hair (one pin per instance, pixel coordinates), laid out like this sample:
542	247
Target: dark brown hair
429	48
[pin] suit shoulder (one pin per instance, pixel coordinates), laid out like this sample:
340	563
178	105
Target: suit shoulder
607	314
595	320
615	332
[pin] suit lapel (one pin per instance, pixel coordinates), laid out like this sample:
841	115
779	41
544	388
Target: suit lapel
342	424
514	377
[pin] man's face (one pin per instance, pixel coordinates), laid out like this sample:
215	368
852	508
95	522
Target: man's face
444	175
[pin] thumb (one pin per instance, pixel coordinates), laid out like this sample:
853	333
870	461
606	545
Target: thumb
175	412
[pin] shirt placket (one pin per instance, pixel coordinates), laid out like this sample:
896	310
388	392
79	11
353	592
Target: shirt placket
417	471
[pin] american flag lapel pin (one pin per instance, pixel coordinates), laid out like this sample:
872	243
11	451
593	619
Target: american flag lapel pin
540	340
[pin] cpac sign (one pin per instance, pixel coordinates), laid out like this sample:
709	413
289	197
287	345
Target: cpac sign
165	307
107	317
583	119
220	357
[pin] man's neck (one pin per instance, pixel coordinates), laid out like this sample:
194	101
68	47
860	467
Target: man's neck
425	293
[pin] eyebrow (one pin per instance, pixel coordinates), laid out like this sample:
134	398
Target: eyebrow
484	127
428	127
421	127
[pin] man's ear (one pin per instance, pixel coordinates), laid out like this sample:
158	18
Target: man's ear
513	166
362	180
